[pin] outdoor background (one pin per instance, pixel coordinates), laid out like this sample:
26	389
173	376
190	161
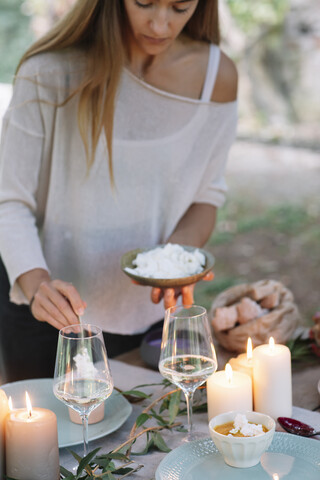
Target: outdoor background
269	226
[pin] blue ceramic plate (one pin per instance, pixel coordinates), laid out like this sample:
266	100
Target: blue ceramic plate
288	457
117	410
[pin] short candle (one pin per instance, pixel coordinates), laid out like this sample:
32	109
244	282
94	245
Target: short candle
272	380
244	362
32	450
228	390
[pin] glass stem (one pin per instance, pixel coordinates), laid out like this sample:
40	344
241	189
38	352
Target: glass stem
189	402
84	419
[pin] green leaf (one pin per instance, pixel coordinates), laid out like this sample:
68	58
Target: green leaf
142	418
66	473
75	455
149	445
123	470
84	463
202	408
181	428
136	393
105	461
174	405
160	443
164	405
160	420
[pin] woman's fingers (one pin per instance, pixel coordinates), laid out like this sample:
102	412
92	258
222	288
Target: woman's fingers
72	295
187	294
209	276
169	297
156	294
43	315
58	303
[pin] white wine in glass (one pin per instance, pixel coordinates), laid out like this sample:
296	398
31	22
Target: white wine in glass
187	356
82	379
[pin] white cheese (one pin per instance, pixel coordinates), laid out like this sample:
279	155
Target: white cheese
242	425
170	261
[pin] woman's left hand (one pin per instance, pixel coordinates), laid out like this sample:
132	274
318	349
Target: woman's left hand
170	295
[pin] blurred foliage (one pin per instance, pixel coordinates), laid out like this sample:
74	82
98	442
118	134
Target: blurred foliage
252	16
15	37
16	15
288	225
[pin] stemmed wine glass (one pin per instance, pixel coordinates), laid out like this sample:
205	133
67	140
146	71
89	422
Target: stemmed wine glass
82	379
187	355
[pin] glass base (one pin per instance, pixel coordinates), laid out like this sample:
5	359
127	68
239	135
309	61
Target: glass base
195	436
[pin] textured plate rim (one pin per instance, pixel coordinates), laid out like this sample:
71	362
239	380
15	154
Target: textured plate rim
96	430
128	257
278	436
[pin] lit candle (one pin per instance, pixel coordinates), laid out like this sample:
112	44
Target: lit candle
228	390
272	380
244	362
32	451
4	411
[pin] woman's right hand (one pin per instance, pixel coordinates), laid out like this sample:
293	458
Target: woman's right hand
57	303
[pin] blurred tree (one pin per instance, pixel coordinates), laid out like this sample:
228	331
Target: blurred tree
274	42
255	16
15	36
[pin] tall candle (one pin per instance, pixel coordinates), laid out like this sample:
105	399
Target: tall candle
32	451
228	390
4	411
272	380
244	362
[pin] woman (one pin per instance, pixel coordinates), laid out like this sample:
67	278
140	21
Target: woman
116	137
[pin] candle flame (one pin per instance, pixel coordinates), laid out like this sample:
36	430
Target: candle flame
271	344
10	404
228	370
29	406
249	349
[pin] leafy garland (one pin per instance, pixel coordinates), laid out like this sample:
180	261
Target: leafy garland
305	346
118	464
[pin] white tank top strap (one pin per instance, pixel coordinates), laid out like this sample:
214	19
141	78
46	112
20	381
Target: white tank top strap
211	75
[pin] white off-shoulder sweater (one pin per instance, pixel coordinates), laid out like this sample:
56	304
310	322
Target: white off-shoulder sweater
168	152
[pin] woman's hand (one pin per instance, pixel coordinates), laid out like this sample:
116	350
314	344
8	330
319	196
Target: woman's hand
57	303
170	295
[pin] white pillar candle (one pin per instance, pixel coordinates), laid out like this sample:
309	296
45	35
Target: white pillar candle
32	451
4	411
227	391
272	380
244	362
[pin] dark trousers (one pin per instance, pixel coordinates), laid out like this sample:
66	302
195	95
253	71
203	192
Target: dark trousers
28	347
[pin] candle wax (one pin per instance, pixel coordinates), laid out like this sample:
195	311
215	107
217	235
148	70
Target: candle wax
32	451
224	395
272	380
242	364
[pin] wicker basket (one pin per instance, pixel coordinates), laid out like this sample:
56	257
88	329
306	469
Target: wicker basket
279	322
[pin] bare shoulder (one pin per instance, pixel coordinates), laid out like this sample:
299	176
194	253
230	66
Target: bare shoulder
226	86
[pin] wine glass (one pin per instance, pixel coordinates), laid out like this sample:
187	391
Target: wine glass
82	379
187	355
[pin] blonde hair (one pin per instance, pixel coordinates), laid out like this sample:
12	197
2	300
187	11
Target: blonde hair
98	28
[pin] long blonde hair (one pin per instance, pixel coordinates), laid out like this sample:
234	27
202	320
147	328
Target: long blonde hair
98	28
